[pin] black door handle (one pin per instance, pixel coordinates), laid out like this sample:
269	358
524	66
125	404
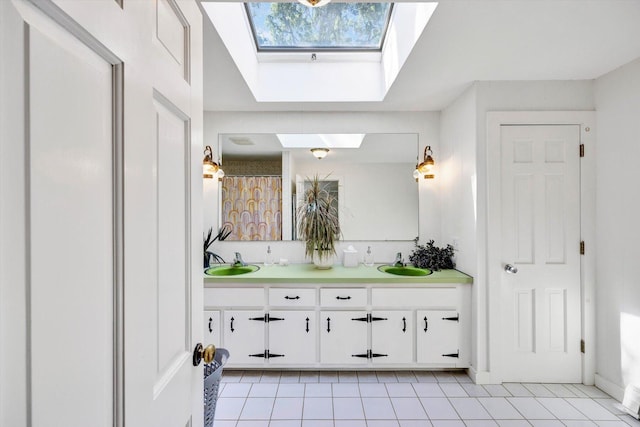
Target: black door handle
328	324
210	322
232	319
426	324
404	324
307	325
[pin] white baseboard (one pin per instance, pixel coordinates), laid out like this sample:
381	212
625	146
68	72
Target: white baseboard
611	388
480	377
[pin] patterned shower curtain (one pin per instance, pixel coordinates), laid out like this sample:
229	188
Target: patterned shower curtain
252	207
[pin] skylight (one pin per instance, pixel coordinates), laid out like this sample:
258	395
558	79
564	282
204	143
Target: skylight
334	27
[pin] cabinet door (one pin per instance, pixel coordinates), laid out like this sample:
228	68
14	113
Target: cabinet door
292	340
392	336
341	337
438	335
243	337
212	328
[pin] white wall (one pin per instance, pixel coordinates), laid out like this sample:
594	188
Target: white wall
464	209
458	196
425	124
617	97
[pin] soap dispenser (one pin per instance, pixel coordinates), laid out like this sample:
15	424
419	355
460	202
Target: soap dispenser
268	259
368	257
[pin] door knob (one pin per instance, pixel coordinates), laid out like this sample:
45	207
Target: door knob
207	353
511	269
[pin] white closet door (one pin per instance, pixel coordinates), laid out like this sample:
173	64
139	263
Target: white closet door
541	238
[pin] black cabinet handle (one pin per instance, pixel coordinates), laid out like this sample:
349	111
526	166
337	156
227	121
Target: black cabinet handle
232	319
456	354
210	322
343	298
426	324
328	324
456	318
307	329
288	297
404	324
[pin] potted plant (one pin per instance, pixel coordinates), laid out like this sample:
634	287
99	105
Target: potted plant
318	224
432	257
223	233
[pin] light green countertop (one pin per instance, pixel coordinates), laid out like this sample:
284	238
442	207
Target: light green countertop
307	273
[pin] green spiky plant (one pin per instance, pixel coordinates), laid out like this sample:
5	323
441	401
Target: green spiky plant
222	234
318	223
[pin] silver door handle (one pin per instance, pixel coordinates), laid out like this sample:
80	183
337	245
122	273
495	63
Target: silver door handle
511	269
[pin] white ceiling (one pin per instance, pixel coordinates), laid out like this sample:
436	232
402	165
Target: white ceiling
466	41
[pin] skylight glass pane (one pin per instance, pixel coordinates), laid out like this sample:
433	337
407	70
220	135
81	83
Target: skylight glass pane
335	26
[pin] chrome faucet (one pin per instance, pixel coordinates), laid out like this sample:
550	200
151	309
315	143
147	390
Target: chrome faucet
237	261
399	262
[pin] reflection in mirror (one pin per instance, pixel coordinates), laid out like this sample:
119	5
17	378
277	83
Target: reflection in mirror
377	194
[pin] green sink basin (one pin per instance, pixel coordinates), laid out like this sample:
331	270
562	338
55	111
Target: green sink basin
229	270
404	271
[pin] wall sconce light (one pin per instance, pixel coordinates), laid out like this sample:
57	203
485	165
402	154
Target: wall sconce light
209	167
320	153
426	167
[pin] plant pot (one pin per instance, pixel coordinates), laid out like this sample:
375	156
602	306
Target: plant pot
325	262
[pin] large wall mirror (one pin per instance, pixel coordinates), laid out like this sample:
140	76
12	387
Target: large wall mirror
371	175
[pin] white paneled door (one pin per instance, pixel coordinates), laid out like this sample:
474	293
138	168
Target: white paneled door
106	126
540	253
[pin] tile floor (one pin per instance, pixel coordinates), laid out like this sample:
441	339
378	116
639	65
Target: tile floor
406	399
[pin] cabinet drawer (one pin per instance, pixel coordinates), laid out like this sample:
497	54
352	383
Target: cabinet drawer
415	297
292	297
234	297
343	297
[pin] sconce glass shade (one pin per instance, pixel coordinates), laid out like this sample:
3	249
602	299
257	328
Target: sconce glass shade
426	167
314	3
209	167
220	174
320	153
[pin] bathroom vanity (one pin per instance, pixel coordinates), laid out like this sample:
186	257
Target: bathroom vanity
343	318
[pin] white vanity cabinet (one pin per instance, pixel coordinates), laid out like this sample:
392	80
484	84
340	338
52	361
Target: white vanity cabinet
343	339
292	337
438	336
211	327
392	335
321	325
244	334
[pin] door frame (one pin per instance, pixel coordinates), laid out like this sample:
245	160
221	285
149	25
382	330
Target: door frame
493	238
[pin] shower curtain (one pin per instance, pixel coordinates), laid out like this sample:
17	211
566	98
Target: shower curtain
252	207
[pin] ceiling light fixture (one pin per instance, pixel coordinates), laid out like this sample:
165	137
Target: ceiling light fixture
209	167
320	153
426	167
314	3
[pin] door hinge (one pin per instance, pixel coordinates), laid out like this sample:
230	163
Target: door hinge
456	354
581	346
582	247
266	355
369	355
581	150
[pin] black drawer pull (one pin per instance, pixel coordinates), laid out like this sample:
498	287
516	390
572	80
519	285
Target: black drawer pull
343	298
288	297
